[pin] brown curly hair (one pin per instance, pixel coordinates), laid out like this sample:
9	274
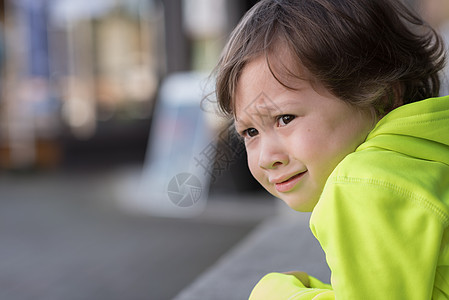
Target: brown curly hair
369	53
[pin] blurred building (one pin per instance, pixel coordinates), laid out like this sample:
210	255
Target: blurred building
79	78
436	13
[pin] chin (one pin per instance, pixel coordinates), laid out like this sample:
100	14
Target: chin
298	204
302	207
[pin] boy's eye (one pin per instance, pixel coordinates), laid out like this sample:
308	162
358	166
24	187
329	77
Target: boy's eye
250	132
285	119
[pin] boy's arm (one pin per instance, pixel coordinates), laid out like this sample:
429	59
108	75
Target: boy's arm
301	276
290	286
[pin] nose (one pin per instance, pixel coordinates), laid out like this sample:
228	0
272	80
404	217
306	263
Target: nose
272	154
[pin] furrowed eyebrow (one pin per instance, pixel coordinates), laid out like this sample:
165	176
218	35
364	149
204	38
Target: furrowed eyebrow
239	125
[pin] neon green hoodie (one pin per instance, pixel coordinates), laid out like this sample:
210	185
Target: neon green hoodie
383	216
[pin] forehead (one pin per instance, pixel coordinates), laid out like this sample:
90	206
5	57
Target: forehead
276	54
262	81
255	88
262	106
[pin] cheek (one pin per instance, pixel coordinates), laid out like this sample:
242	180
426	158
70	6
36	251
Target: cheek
253	163
319	151
308	147
250	155
326	149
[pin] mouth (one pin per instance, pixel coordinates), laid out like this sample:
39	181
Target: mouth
290	183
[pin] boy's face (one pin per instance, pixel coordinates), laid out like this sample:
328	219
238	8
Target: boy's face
294	138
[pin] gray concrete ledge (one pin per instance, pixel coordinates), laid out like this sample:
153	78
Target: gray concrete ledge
281	243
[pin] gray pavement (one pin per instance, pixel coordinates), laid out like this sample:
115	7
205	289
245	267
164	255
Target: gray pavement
281	243
62	236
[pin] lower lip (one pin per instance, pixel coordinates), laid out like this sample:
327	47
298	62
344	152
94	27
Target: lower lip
286	186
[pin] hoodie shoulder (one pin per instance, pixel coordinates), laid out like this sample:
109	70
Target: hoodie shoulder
401	174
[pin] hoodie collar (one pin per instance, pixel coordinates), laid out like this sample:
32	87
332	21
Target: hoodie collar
419	129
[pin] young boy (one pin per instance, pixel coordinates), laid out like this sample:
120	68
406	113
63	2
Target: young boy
334	101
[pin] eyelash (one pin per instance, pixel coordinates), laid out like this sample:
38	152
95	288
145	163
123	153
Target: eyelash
278	119
247	132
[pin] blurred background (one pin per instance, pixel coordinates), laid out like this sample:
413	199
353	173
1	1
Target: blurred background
81	112
103	134
80	78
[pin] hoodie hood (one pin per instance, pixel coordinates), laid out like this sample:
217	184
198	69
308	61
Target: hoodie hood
419	129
